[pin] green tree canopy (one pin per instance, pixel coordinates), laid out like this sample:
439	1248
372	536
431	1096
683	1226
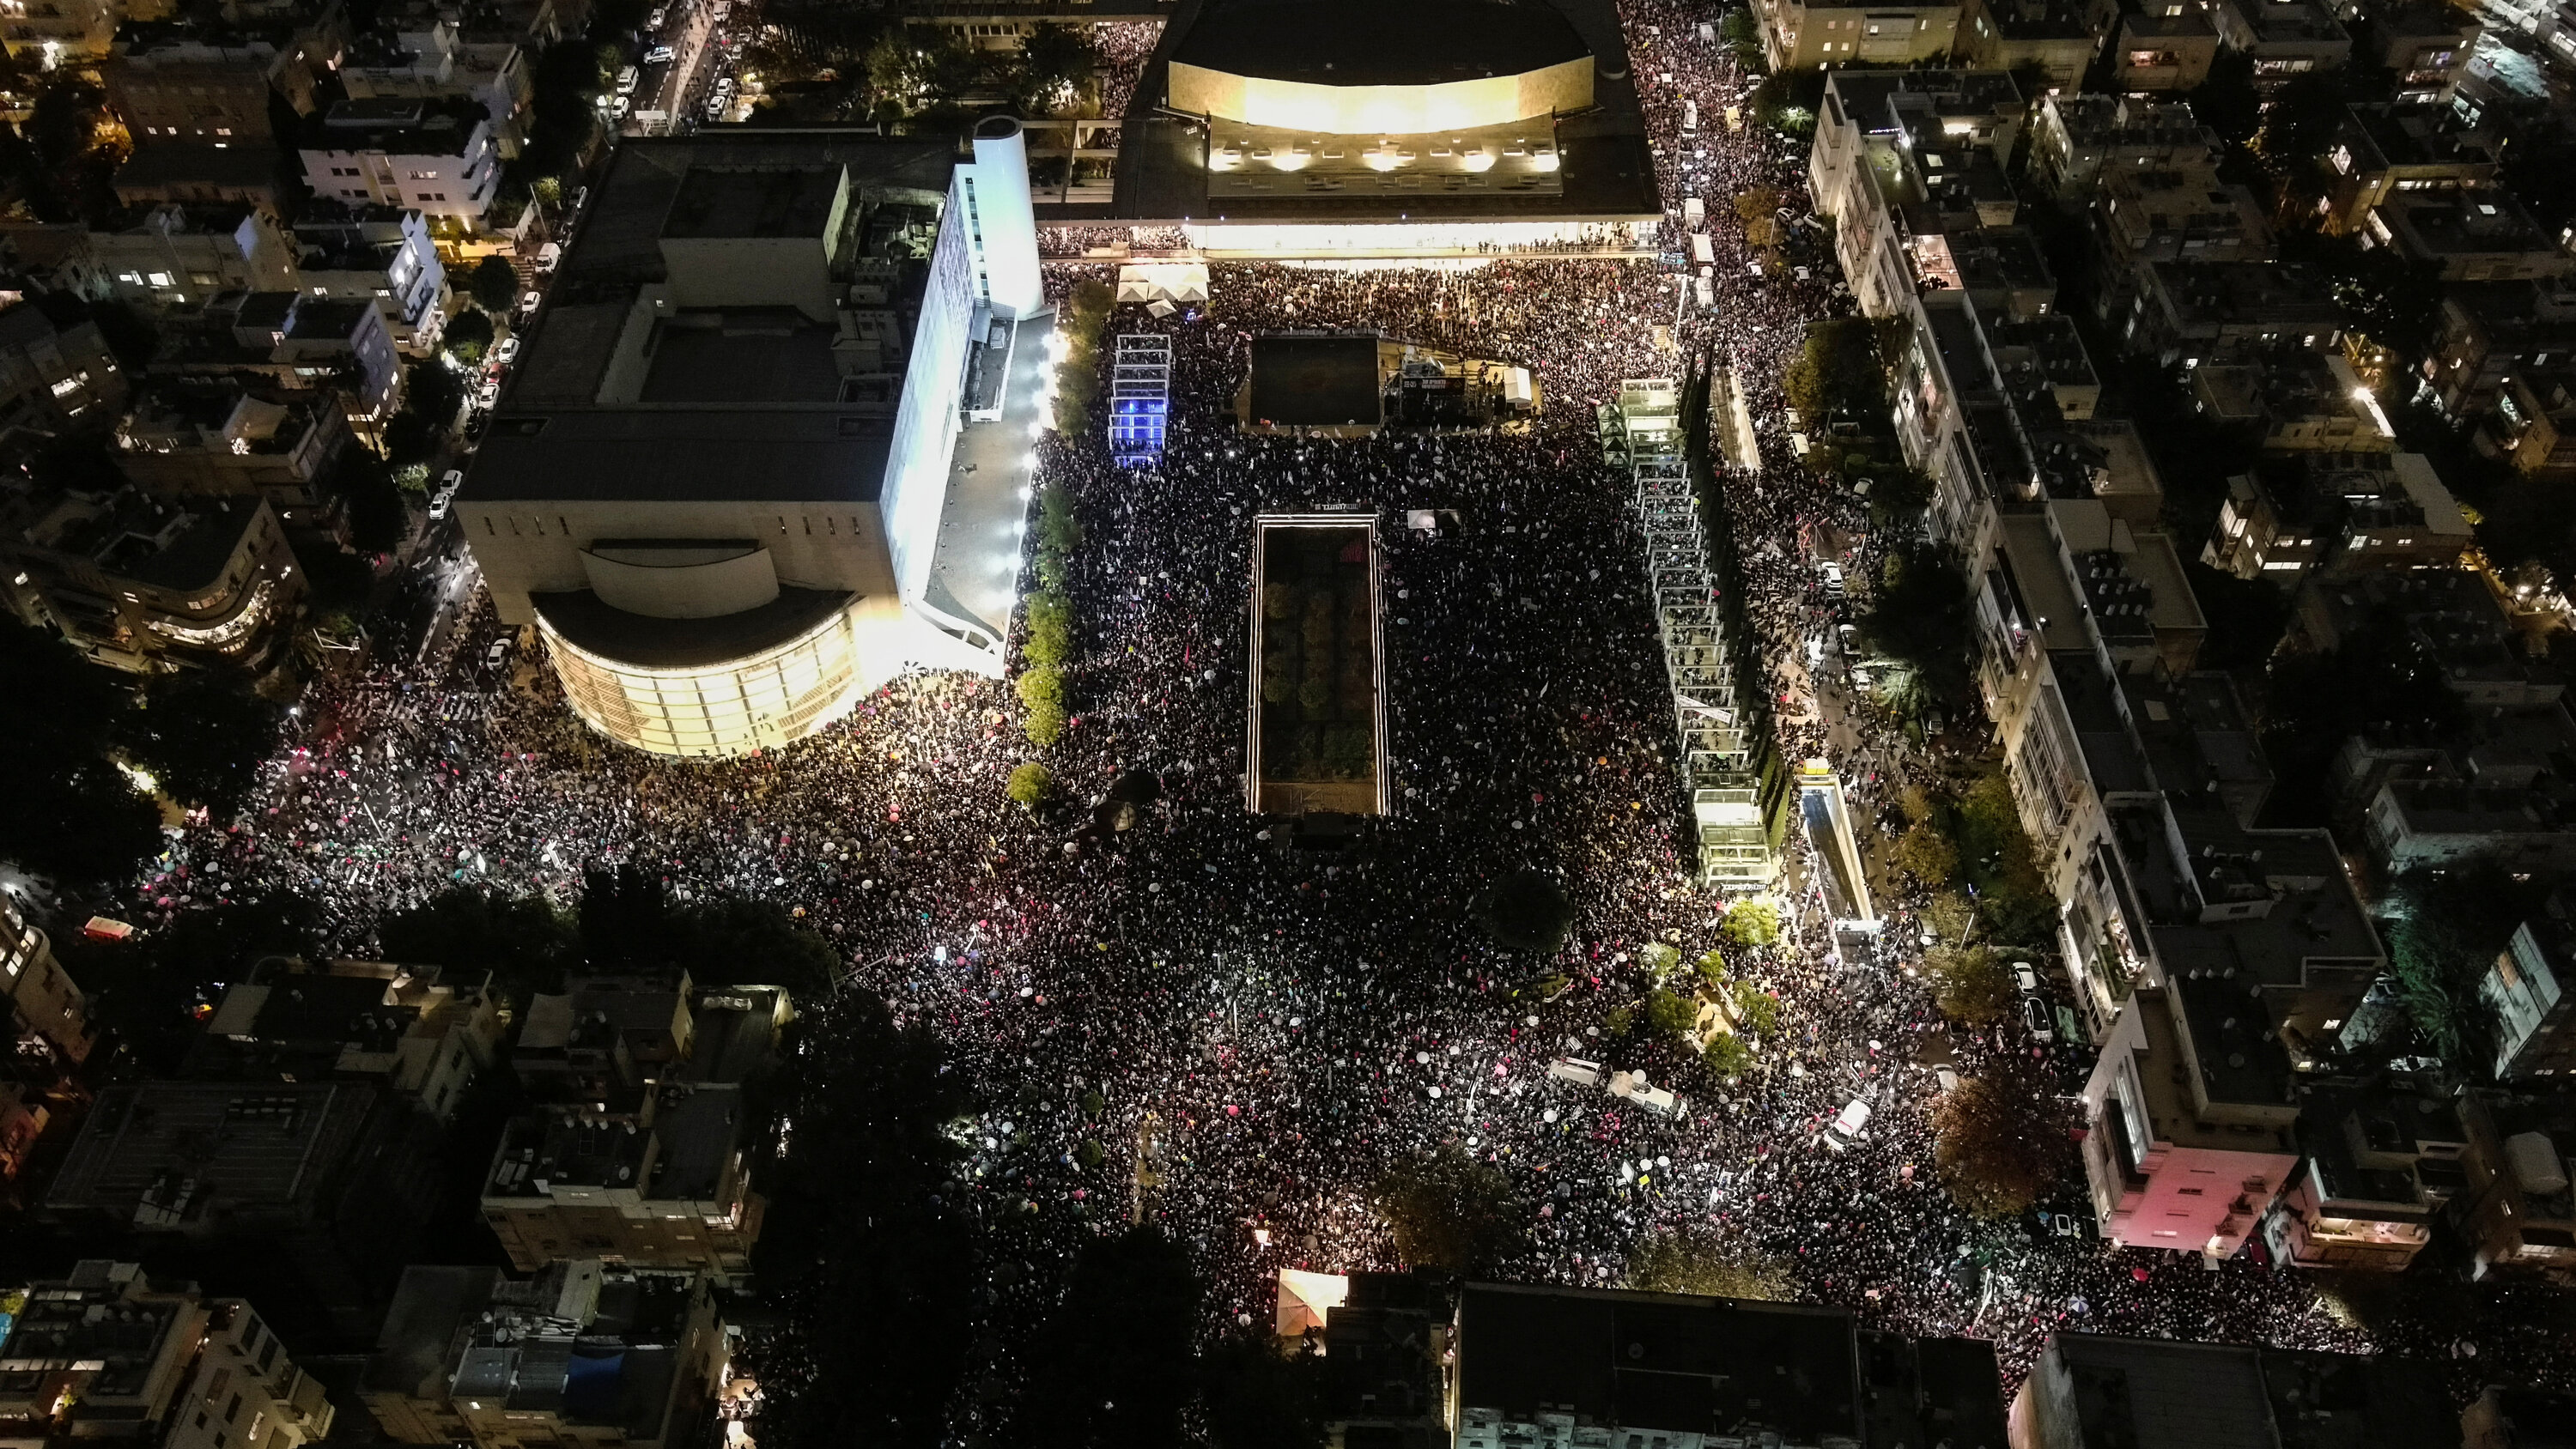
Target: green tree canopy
863	1210
628	922
1997	857
1259	1396
1451	1211
1668	1013
1526	910
203	737
2001	1138
1121	1368
521	939
468	336
67	811
1926	854
1056	64
494	284
1753	921
364	485
148	988
1030	784
1838	371
1921	617
1971	984
2445	929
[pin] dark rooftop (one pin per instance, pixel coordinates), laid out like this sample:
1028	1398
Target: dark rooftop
2343	1401
174	1152
414	1348
404	127
1936	1391
1316	381
1658	1361
1606	170
805	457
1369	43
575	1148
86	1324
720	201
612	633
190	163
696	1127
2133	1393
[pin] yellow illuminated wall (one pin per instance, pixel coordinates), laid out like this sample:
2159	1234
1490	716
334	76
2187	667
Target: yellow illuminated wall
1358	110
760	701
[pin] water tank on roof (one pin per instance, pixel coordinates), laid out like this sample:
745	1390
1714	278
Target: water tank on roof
2536	1164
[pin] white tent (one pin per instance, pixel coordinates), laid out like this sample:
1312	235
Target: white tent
1183	282
1307	1299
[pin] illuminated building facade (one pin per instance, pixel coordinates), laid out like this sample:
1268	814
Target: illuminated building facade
1337	127
147	584
104	1357
49	1036
718	484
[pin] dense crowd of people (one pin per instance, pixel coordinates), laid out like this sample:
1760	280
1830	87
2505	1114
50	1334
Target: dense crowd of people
1270	1029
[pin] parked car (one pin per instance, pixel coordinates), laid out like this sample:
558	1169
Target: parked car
1833	575
1576	1070
548	255
626	80
506	348
1844	1132
659	55
2024	977
498	654
2034	1012
528	303
489	393
716	106
445	495
618	111
654	20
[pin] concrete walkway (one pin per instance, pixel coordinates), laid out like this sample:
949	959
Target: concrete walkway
975	572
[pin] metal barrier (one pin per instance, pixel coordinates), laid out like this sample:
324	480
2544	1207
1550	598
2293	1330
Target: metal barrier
1719	753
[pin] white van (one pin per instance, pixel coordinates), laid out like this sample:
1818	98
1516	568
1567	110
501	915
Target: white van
1576	1070
1845	1130
626	80
1634	1087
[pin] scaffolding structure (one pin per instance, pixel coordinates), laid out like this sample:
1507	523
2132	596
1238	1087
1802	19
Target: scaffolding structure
1721	750
1140	398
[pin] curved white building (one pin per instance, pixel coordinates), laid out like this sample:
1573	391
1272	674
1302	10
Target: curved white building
717	484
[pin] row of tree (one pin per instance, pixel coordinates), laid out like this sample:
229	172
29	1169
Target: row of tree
84	740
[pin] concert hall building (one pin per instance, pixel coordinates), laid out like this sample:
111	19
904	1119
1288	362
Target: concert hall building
1322	127
772	366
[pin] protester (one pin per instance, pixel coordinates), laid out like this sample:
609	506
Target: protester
1285	1027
